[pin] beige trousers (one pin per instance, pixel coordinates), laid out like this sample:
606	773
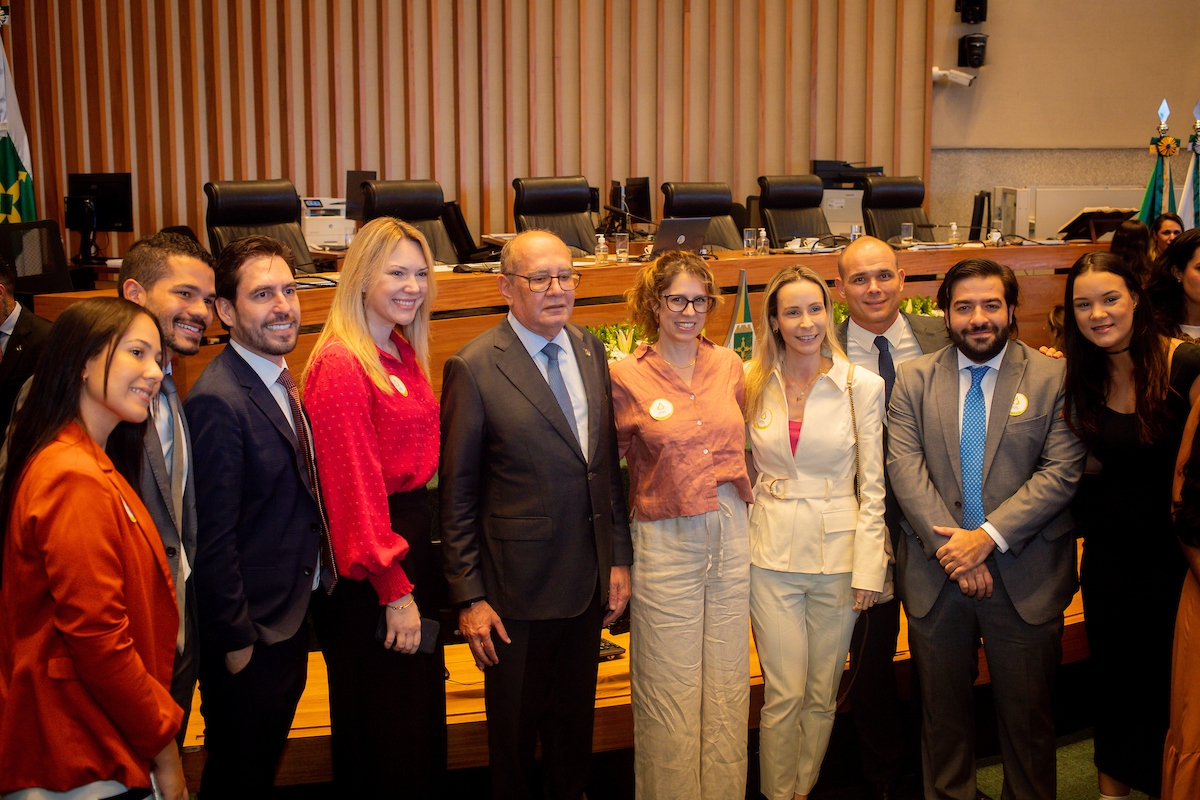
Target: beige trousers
689	653
802	628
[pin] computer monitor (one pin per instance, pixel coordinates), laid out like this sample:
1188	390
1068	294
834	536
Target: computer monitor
98	201
354	192
637	197
981	219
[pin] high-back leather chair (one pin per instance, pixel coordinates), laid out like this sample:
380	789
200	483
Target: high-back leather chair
270	208
790	207
712	200
561	205
888	202
418	203
35	250
464	242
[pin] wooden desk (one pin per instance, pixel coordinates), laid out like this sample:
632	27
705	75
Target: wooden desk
467	305
307	757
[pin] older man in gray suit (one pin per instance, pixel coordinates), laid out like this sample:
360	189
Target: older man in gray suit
983	466
171	276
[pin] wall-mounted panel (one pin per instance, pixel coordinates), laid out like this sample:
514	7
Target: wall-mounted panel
469	92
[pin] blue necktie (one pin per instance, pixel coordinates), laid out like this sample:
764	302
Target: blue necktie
558	386
887	368
970	450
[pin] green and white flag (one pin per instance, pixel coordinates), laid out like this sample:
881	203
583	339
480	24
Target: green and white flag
1160	191
740	338
16	179
1189	206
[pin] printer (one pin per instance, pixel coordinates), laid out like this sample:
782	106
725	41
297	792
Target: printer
323	220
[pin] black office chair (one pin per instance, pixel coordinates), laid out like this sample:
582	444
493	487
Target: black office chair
270	208
713	200
35	251
418	203
888	202
464	242
561	205
790	207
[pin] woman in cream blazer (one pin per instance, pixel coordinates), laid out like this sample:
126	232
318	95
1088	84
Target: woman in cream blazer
816	549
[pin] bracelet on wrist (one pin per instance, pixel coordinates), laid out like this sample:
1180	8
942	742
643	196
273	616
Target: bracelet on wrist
411	600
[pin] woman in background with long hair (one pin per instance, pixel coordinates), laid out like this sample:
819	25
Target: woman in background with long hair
1128	393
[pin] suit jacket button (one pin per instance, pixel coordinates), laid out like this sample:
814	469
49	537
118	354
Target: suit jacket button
591	476
308	571
957	504
171	552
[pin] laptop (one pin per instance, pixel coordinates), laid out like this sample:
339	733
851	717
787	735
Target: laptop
680	233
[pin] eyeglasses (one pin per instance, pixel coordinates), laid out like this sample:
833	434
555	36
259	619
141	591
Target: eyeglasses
541	283
677	303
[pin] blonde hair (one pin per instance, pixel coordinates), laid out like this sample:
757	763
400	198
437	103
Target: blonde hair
644	298
768	342
361	271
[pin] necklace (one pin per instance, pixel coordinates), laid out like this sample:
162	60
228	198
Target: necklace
677	366
1117	352
802	393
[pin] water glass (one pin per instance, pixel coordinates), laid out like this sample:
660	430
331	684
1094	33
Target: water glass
621	247
856	231
749	241
906	233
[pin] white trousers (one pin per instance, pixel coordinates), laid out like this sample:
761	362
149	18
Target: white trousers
802	628
689	653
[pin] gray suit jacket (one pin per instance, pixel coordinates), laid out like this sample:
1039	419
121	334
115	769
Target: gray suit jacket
155	491
1032	465
930	332
527	523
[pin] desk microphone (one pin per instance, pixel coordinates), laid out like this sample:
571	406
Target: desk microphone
630	215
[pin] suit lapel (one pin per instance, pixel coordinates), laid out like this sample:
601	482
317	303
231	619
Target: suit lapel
262	397
158	466
945	389
16	344
1012	368
593	385
929	338
842	333
517	365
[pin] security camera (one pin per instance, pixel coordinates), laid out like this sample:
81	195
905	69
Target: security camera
953	76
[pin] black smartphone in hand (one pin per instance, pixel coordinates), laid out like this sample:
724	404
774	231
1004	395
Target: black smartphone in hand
430	628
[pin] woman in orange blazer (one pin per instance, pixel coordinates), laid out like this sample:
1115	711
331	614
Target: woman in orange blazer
88	618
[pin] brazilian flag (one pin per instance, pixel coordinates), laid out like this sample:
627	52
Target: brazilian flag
16	182
740	338
16	187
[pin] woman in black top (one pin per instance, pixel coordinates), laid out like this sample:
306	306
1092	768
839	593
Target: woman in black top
1129	390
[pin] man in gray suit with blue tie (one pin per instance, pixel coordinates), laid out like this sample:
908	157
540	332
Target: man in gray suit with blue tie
984	467
171	276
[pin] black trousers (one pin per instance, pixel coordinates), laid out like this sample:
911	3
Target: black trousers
247	716
187	663
874	696
545	684
387	710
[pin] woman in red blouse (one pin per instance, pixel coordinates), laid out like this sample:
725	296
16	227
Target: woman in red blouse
375	434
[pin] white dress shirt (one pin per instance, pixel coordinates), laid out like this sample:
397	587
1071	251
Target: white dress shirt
805	517
989	388
567	365
861	349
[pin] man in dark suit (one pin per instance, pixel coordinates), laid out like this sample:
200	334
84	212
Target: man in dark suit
534	531
171	276
22	336
261	525
984	467
880	337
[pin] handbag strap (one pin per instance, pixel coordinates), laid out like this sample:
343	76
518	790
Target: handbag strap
854	423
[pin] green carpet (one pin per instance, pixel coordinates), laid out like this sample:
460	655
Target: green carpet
1076	774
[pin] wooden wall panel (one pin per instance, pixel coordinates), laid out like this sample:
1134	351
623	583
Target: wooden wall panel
469	92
